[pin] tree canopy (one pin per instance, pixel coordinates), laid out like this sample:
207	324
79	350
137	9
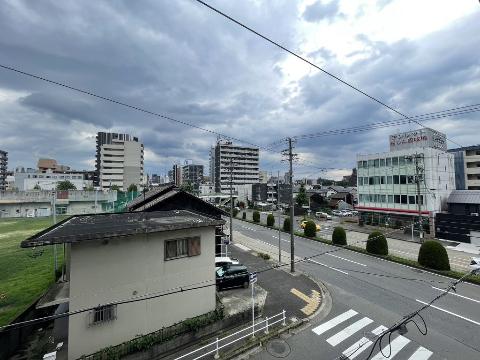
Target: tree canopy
301	198
65	185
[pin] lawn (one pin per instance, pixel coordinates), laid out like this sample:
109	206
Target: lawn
25	274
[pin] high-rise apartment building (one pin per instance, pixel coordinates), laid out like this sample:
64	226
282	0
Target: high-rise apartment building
3	169
467	167
119	161
241	160
177	178
192	174
387	182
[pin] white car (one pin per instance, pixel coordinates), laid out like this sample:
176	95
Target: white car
221	261
323	215
346	213
475	265
337	213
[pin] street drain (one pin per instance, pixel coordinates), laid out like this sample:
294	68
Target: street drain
278	348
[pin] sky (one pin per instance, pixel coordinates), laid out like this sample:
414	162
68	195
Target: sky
180	59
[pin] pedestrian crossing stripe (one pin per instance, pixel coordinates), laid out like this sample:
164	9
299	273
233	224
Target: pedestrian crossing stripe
393	349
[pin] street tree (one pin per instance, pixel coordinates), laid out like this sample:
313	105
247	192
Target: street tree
66	185
132	188
301	198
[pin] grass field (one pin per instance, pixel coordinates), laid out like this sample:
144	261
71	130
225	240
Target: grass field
24	273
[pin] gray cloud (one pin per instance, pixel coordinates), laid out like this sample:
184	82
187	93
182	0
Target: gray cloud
319	11
179	59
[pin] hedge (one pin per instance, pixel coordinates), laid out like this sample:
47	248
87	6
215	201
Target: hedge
244	216
270	220
433	255
339	236
377	243
310	229
286	225
256	216
235	212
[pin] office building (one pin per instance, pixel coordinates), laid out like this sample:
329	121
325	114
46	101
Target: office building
467	167
3	170
26	180
119	161
192	174
176	175
387	182
241	161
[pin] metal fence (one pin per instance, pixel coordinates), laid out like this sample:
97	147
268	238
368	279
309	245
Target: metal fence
220	343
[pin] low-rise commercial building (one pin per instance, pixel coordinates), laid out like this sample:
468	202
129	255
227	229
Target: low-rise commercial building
113	258
48	180
387	182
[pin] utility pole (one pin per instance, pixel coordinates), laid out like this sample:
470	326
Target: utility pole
279	220
231	202
292	244
54	194
418	179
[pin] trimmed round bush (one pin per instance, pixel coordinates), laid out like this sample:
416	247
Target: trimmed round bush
244	215
310	229
339	236
433	255
286	225
235	212
377	243
256	216
270	220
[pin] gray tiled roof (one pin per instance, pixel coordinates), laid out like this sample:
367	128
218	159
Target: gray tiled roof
464	197
104	226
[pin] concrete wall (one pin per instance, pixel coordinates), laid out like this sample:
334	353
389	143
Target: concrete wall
135	266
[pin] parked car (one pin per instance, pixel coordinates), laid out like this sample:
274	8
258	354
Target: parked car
304	222
475	265
323	215
346	213
232	276
221	261
337	212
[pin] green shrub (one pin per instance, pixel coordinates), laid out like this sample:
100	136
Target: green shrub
310	229
433	255
377	243
270	220
339	236
244	215
286	225
235	212
256	216
264	256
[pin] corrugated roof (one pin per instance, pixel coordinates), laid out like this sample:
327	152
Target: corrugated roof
149	194
464	197
105	226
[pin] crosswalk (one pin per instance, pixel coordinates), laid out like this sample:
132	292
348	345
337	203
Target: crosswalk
346	327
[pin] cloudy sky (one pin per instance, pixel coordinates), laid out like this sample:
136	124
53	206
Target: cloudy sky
180	59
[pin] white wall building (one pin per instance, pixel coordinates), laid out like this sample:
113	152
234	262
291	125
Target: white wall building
121	164
146	253
387	189
25	181
242	160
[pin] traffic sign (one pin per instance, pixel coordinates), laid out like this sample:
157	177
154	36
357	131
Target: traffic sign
226	240
253	278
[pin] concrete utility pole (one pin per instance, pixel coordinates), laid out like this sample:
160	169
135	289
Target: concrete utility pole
292	244
54	194
418	179
279	220
231	201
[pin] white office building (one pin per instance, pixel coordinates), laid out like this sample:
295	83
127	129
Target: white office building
121	164
242	161
48	180
387	182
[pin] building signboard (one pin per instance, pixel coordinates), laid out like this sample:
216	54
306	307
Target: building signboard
419	138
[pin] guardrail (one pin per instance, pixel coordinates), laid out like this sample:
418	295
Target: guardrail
218	344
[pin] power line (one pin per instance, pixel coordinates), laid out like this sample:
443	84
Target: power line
353	87
124	104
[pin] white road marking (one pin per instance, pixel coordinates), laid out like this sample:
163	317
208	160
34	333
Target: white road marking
377	331
455	294
339	257
348	331
356	349
449	312
421	354
332	268
330	324
242	247
397	344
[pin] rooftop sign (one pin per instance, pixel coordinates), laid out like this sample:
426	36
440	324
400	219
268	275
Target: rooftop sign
419	138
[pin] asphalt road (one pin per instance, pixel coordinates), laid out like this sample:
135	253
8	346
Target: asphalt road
367	293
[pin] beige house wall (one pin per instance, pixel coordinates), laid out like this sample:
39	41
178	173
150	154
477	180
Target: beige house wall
134	266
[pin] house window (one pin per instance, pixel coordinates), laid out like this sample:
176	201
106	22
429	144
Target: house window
60	210
401	160
179	248
411	199
396	179
390	199
388	162
394	161
102	314
404	199
403	179
389	180
396	199
382	162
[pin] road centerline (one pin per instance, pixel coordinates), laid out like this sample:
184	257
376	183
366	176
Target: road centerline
449	312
